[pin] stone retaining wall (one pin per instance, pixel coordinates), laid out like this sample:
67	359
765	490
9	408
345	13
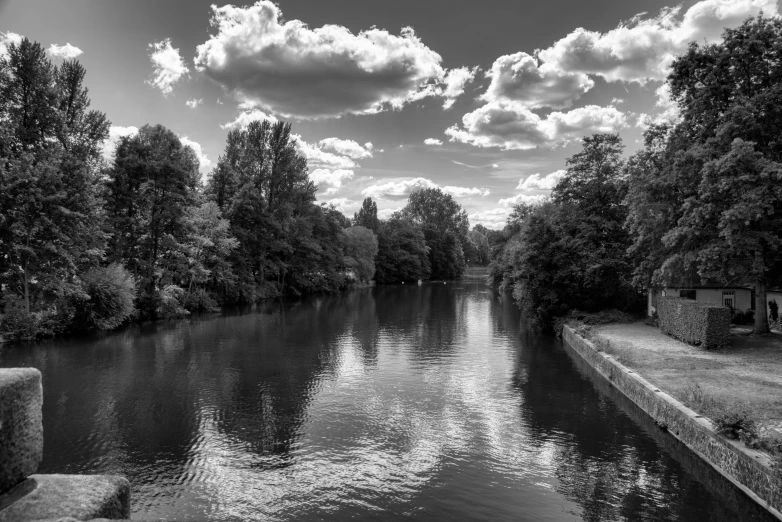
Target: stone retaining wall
747	469
25	496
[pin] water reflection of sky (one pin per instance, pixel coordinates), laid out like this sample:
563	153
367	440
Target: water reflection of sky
432	402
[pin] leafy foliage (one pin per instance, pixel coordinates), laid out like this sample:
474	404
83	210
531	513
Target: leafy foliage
705	198
445	226
402	252
367	216
360	251
570	253
108	298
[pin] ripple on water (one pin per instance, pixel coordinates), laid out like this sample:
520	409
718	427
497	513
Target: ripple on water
434	402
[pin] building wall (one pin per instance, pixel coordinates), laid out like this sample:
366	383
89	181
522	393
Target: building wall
742	297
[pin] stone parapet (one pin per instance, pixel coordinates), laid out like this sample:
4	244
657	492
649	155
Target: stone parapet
21	425
25	496
83	497
747	469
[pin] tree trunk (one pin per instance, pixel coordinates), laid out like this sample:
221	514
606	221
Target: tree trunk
761	313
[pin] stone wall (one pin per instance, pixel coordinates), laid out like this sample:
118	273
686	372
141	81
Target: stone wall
25	496
747	469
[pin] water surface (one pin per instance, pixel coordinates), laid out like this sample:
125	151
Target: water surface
431	402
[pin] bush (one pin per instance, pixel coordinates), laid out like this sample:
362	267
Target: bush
749	317
199	300
652	320
16	323
108	298
694	322
170	300
580	318
739	318
773	310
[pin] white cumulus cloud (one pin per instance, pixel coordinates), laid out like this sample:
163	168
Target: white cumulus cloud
523	198
402	188
328	71
316	157
397	189
63	52
115	133
432	141
494	219
644	48
466	192
454	83
168	65
203	161
511	126
193	102
246	117
347	148
6	39
519	77
343	204
330	179
536	182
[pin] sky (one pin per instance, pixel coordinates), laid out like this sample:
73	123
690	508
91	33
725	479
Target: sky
485	101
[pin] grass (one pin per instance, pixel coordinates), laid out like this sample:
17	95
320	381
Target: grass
735	421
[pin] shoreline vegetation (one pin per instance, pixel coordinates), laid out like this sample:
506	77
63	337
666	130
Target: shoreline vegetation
88	244
699	204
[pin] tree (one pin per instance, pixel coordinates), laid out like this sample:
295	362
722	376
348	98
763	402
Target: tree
51	219
149	190
480	247
402	253
367	216
207	250
703	196
445	227
360	251
570	253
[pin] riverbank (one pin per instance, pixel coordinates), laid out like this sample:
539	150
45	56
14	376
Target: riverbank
651	369
746	376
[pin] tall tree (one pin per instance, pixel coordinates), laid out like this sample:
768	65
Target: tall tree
150	187
367	216
445	226
705	209
50	224
360	252
402	252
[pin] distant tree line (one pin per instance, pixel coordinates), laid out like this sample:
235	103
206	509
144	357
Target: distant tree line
89	244
700	203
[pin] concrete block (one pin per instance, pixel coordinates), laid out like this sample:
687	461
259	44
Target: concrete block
21	427
81	497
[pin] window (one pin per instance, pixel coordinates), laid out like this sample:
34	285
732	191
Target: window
687	294
729	298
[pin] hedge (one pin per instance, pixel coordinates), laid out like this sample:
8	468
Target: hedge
700	324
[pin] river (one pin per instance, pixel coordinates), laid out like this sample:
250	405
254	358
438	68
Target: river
430	402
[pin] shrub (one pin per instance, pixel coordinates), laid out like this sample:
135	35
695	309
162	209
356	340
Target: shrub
739	318
170	300
736	422
773	310
108	298
749	317
578	317
652	320
694	322
16	323
199	300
